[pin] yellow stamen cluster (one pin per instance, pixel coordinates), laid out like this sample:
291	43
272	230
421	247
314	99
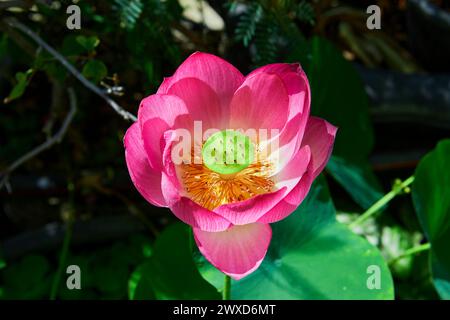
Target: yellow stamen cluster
210	189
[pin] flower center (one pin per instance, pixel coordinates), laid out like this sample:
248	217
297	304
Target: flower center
228	152
232	171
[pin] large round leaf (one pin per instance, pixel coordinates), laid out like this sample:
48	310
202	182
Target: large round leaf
313	257
431	197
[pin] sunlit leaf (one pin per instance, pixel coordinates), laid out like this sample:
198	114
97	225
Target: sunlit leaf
18	90
88	43
431	198
357	178
95	70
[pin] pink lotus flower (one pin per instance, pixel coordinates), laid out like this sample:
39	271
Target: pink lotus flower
229	213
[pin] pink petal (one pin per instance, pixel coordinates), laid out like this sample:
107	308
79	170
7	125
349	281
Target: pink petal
296	83
237	251
288	141
165	85
166	107
297	86
220	75
188	211
153	131
202	102
261	102
289	203
319	136
251	210
145	179
158	113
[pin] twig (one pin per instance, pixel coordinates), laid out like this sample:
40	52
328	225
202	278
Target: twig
66	64
410	252
377	206
48	143
62	259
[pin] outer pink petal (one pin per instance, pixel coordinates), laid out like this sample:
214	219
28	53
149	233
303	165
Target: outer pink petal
251	210
202	102
288	141
166	107
261	102
319	136
296	83
237	251
188	211
152	133
145	179
297	86
220	75
158	113
289	203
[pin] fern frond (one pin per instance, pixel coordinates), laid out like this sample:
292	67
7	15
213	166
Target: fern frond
246	27
305	12
129	11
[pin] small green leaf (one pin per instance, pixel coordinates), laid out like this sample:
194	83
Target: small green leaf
18	90
95	70
2	262
88	43
357	179
27	279
312	256
139	286
431	198
170	273
71	47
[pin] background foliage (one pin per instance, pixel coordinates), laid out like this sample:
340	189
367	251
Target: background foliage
73	203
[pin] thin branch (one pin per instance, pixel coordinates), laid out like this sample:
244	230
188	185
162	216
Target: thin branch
377	206
66	64
12	4
48	143
410	252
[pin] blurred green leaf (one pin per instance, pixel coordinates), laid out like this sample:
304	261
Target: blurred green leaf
170	273
139	286
312	256
27	279
431	198
95	70
72	47
394	242
88	43
357	178
18	90
338	96
2	261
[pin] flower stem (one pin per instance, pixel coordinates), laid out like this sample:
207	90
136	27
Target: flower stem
62	260
411	251
382	202
226	293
